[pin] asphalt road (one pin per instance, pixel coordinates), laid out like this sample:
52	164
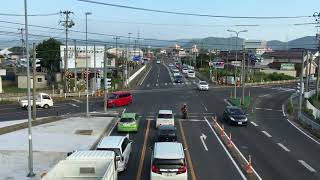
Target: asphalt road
279	151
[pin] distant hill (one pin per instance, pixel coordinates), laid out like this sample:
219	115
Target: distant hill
308	42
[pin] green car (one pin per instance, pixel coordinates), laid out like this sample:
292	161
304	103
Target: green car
129	122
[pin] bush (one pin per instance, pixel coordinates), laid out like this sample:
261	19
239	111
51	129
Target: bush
290	108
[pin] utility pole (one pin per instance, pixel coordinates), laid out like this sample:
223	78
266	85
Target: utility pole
95	68
316	15
66	23
87	68
22	42
30	157
34	107
243	75
301	82
105	76
116	59
75	66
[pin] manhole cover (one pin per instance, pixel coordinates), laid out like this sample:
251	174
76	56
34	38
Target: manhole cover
84	132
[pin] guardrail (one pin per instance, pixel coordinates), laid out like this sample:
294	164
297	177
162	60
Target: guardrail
309	121
271	82
245	164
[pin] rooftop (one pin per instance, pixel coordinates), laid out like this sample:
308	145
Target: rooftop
110	142
168	150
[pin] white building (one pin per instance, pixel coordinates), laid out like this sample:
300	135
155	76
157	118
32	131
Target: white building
256	46
80	61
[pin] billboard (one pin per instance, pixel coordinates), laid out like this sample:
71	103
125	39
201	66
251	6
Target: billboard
217	64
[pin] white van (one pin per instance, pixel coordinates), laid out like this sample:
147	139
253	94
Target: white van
42	100
165	117
121	145
95	165
168	162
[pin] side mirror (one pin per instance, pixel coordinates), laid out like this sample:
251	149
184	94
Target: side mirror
118	158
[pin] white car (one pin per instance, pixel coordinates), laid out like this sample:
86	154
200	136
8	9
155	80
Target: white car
168	162
165	117
121	145
203	85
158	62
42	100
185	70
171	65
176	72
191	74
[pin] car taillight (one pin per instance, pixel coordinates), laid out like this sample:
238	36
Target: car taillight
155	169
182	169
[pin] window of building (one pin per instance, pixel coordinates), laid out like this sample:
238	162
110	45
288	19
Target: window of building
39	79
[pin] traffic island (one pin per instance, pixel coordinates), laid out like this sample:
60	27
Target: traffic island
244	163
238	102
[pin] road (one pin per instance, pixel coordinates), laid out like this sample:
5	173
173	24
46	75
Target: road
278	149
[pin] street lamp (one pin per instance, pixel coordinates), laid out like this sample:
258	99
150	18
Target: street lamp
87	68
235	84
30	157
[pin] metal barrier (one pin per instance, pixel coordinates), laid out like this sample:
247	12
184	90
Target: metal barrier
309	121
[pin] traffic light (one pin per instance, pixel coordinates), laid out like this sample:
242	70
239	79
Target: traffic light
107	83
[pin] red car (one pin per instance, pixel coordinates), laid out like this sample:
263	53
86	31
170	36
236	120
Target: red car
120	98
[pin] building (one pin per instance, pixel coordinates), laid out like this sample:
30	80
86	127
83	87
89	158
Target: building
2	73
80	60
41	81
257	47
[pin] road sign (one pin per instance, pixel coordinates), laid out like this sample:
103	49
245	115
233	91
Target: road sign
136	58
218	64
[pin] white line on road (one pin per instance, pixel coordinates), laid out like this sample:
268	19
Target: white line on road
204	107
265	95
202	138
303	132
145	76
165	84
253	123
307	166
284	114
267	134
226	101
76	100
74	105
225	149
283	147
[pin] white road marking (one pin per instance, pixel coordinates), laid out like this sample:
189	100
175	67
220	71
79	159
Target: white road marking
284	114
254	123
267	134
267	109
174	83
157	84
283	147
191	120
202	138
74	105
303	132
265	95
307	166
145	76
76	100
225	149
204	107
226	101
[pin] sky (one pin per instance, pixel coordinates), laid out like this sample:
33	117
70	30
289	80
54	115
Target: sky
118	21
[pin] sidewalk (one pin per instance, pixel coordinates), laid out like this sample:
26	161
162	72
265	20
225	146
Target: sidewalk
51	142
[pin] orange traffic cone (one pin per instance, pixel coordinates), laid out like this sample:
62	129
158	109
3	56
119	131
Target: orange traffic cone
249	167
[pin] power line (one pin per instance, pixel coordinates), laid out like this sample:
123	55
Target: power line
194	14
50	14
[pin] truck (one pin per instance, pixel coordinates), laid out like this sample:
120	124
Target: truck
83	165
43	100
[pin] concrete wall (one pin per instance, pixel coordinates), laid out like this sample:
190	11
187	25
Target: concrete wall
2	73
292	73
41	81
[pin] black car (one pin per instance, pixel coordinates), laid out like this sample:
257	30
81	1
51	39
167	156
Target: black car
235	115
178	79
167	133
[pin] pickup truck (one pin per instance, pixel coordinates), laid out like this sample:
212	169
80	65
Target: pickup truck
42	100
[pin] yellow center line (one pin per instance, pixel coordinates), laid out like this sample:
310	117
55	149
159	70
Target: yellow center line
193	175
143	153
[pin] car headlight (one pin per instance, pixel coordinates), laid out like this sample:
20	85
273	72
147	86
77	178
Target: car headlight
232	118
245	119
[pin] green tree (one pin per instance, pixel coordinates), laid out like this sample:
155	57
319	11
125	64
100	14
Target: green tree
49	53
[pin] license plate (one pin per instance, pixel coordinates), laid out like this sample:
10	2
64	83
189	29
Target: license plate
167	174
239	122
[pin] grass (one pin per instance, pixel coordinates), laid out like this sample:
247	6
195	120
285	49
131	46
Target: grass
237	102
13	89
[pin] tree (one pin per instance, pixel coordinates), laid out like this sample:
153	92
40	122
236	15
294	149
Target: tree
49	53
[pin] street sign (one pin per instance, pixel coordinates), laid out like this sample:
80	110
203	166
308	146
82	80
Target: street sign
287	66
218	64
136	58
107	83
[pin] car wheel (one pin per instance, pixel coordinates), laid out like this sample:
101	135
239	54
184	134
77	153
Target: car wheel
46	106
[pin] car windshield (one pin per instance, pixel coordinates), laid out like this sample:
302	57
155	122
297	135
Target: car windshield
191	72
113	96
178	77
115	150
235	111
168	163
165	116
203	83
126	120
167	131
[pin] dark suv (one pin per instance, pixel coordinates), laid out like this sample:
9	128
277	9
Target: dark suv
167	133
